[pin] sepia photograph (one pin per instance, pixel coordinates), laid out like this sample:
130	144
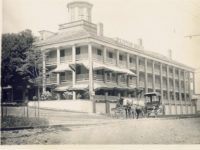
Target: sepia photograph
100	72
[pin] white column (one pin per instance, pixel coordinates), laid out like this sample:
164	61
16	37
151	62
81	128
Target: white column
161	83
185	95
174	89
153	74
117	57
91	89
43	72
180	95
58	63
168	90
74	72
145	75
127	60
104	54
58	74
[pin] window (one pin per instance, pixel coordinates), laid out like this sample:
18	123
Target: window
78	51
130	60
62	53
110	55
120	57
62	76
78	69
99	52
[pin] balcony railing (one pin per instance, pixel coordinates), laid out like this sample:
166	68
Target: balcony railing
83	56
149	70
132	66
82	77
98	77
97	58
141	68
157	71
150	85
157	86
51	80
111	61
65	59
51	61
164	73
122	64
141	83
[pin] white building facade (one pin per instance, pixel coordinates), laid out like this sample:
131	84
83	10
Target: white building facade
80	59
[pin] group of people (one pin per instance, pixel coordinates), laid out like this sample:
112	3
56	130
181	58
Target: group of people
130	109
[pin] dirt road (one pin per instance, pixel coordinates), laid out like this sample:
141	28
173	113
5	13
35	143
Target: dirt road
96	129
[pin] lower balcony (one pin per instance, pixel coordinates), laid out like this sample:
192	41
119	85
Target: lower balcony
82	77
104	98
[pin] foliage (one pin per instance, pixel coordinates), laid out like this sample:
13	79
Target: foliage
67	95
11	121
46	95
20	62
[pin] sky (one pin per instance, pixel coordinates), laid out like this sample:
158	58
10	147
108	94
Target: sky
162	24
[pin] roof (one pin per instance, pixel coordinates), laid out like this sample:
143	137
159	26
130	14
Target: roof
62	68
69	35
63	36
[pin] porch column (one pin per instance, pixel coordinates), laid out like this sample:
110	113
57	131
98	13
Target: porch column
117	58
190	91
185	94
127	60
74	72
145	75
161	83
153	74
43	72
58	74
174	90
193	75
180	97
168	90
91	90
107	104
104	54
137	71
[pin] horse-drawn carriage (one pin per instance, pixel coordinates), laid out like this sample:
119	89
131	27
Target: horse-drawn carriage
130	107
153	105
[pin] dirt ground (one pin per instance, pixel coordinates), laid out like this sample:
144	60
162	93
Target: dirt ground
95	129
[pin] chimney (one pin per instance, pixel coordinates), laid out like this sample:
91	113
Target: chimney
170	53
100	29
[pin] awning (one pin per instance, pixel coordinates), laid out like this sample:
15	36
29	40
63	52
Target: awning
98	86
62	68
97	66
152	94
79	87
61	89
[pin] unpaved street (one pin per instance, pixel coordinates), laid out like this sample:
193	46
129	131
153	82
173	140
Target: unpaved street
93	129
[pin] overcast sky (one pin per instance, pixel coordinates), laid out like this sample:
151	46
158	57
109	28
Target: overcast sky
162	24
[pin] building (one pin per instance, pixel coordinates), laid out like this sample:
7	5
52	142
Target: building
79	58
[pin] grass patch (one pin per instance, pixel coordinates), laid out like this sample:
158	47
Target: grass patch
13	122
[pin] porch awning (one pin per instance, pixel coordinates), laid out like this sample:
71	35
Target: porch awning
61	89
79	87
97	66
62	68
83	63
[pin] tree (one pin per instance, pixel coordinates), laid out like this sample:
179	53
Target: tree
20	62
